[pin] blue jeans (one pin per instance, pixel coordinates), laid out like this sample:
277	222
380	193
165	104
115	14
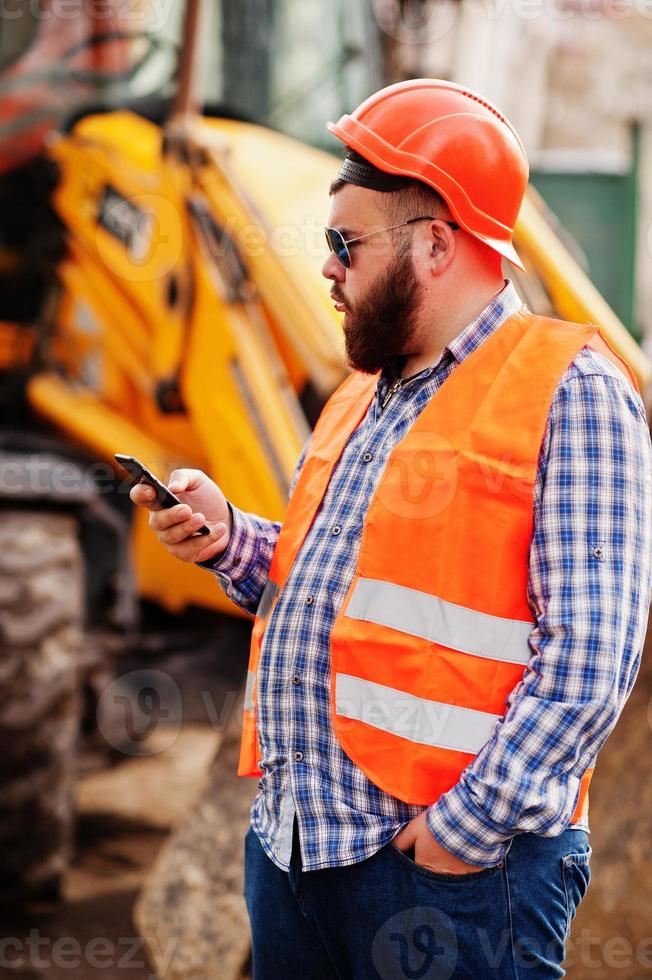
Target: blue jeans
387	918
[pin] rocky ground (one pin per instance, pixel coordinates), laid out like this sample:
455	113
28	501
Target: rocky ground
125	814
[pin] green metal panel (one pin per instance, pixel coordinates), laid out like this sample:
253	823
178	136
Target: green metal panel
599	211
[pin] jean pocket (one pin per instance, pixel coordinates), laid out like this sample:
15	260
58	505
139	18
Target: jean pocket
451	879
576	876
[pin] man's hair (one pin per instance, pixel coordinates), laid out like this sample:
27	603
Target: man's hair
414	200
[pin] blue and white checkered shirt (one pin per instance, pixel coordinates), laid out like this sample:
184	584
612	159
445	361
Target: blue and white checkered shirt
589	587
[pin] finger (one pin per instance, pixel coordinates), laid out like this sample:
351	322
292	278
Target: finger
202	548
179	532
167	517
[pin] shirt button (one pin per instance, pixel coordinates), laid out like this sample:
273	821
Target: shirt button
309	600
296	679
368	457
298	756
337	529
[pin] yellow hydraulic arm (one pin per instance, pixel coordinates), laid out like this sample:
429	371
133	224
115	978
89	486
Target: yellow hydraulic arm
572	293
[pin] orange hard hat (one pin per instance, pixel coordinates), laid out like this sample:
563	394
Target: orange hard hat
453	140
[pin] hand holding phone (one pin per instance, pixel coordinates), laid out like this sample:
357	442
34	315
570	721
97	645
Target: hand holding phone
177	519
140	474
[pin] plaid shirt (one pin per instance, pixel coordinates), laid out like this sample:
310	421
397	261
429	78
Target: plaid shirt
589	587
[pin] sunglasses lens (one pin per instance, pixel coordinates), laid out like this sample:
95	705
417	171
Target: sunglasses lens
337	245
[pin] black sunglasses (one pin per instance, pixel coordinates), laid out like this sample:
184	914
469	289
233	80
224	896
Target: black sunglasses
340	246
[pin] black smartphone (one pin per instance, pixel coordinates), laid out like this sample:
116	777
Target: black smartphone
140	474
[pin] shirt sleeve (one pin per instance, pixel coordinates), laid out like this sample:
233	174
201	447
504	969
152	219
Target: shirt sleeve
589	590
242	568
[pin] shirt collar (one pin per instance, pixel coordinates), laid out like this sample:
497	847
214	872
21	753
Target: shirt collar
497	311
501	307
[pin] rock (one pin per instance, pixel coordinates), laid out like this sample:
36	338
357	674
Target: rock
41	619
158	789
190	911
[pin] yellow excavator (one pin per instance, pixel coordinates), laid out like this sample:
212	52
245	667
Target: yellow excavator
160	296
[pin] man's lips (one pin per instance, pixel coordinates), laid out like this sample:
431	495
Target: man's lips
339	304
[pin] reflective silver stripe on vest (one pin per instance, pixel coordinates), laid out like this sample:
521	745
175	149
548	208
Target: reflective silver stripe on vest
431	618
249	691
417	719
270	592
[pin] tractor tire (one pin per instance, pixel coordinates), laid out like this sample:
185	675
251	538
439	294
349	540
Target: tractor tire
41	622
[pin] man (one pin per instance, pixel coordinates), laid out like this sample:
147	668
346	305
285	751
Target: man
451	617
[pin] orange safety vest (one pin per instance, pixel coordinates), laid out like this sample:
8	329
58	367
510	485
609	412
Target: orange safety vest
433	633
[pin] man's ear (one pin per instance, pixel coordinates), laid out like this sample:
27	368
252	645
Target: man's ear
442	249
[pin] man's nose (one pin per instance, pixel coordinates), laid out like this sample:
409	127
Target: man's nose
333	269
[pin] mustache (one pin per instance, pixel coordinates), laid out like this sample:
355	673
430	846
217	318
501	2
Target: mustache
336	296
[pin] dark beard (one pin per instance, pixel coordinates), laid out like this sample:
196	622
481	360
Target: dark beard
379	330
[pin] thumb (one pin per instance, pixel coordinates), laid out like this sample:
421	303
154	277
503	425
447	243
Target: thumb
185	479
406	837
403	839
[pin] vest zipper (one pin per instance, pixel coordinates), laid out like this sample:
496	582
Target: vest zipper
394	387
